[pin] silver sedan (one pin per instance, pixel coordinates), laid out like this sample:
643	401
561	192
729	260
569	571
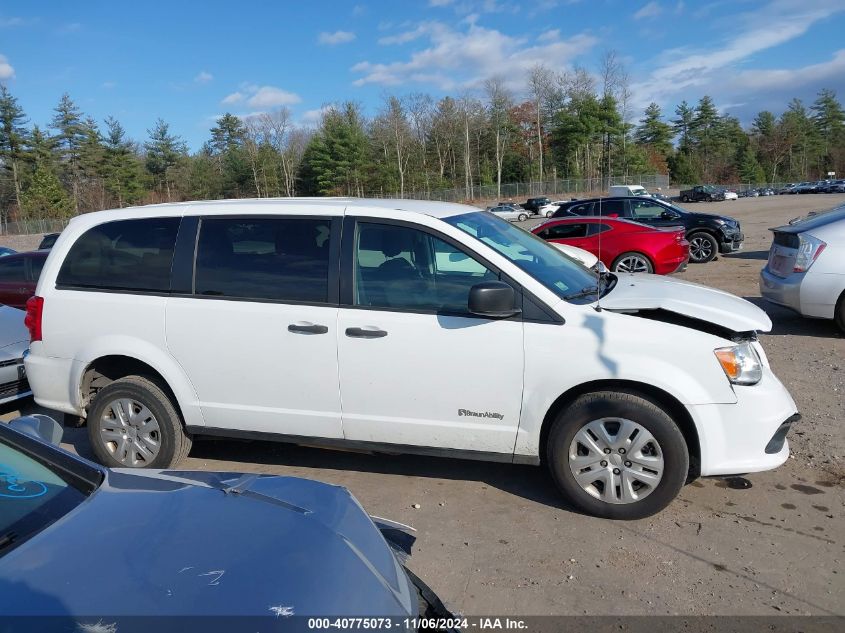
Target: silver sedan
512	214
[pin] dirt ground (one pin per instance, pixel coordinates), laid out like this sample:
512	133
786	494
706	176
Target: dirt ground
497	539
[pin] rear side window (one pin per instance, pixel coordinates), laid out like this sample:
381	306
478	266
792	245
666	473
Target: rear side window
123	255
277	259
564	231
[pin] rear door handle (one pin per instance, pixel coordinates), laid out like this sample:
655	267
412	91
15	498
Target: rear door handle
365	332
304	327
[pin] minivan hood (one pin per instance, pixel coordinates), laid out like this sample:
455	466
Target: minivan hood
637	291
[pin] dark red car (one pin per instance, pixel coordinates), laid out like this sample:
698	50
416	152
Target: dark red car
622	245
19	275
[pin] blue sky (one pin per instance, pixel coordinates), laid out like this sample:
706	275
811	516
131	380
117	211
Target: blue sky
189	62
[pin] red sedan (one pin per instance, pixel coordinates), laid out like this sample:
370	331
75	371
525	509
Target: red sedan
19	275
626	247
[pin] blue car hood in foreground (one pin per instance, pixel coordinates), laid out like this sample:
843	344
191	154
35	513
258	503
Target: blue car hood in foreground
167	543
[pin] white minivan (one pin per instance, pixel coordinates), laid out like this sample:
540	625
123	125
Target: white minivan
400	326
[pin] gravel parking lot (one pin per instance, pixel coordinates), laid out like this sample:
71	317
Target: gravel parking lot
497	539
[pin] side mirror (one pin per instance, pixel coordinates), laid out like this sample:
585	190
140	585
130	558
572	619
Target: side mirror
667	215
613	215
41	427
493	299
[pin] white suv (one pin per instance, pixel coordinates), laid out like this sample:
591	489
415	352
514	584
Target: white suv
398	325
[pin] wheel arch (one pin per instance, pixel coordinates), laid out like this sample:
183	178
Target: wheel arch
667	401
105	368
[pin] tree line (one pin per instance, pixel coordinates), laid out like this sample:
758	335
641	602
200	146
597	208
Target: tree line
570	125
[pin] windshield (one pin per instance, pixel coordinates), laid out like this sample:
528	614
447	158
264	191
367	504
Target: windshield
31	497
558	272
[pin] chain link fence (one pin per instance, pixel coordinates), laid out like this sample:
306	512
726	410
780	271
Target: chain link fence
32	227
557	187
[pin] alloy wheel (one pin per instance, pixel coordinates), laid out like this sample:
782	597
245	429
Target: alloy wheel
632	264
700	248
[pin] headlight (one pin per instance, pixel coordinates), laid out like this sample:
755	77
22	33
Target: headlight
740	363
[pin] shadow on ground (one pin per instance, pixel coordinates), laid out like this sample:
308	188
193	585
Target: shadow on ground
529	482
757	255
785	321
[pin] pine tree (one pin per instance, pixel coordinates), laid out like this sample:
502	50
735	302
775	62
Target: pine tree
121	170
653	132
682	125
45	197
71	133
13	138
164	150
829	121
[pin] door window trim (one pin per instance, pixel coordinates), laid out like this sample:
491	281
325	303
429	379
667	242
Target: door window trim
347	273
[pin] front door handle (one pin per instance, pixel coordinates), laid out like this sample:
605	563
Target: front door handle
365	332
303	327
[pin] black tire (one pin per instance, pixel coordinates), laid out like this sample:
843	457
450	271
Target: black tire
684	199
839	315
523	217
174	442
707	250
630	406
614	267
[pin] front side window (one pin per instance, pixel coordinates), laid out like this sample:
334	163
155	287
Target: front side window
123	255
538	258
277	259
404	268
645	210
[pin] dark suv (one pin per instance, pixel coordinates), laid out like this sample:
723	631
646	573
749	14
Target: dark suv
533	204
707	234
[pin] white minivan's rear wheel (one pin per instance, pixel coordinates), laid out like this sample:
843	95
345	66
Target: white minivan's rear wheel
617	455
132	423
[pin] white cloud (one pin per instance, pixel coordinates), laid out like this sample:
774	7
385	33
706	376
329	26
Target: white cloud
108	85
9	22
651	10
311	118
203	77
815	75
439	3
359	9
271	97
235	97
338	37
6	69
70	27
455	59
681	71
405	36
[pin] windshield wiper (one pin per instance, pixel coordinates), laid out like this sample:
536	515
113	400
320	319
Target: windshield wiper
584	292
7	539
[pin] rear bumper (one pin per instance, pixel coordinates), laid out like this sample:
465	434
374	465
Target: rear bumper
783	291
51	379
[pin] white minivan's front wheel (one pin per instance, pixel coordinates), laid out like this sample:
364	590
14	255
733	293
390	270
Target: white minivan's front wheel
617	455
132	423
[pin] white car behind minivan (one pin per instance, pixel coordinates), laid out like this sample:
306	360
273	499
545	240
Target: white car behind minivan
401	326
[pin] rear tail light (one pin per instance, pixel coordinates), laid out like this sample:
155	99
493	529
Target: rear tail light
809	250
32	321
